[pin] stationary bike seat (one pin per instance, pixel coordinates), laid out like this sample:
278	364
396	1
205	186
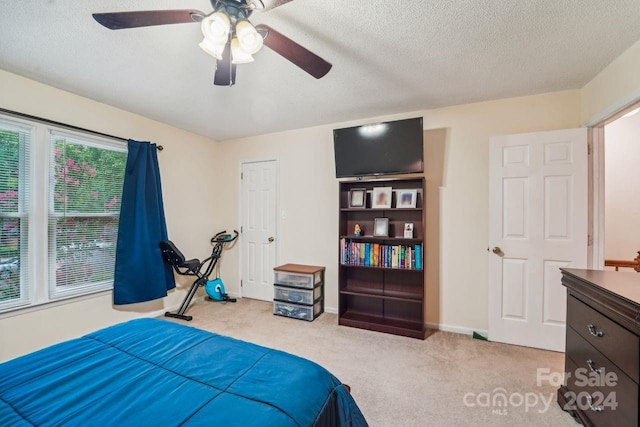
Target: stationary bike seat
191	264
172	255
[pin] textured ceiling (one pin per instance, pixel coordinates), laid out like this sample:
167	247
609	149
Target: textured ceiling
388	57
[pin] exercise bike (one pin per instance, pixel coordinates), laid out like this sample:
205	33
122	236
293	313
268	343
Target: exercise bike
194	267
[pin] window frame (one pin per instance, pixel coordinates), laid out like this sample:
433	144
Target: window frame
55	290
38	287
25	166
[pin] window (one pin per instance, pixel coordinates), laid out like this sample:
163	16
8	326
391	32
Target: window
85	186
59	211
14	218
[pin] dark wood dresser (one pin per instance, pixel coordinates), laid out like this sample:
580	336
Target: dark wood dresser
602	359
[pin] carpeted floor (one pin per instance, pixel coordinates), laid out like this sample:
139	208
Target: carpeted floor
446	380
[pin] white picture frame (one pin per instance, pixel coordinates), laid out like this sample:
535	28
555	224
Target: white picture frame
408	230
406	199
381	197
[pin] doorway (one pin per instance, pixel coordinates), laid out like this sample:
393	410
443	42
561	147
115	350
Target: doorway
615	203
620	151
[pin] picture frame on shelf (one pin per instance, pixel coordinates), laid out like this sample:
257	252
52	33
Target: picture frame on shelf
406	199
408	230
381	227
357	197
381	198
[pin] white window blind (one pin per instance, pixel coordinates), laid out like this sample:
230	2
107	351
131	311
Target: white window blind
15	142
85	188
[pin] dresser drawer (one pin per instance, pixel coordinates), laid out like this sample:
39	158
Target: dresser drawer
618	402
612	340
586	357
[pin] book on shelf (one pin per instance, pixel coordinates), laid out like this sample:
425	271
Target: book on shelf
376	254
369	254
394	257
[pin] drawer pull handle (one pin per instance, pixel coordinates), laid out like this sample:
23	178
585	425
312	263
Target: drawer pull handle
592	331
593	408
593	368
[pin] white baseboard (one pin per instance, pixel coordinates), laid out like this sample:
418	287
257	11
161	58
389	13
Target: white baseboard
455	329
437	326
174	308
333	310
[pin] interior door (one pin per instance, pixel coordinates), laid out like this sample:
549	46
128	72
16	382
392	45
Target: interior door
258	212
538	224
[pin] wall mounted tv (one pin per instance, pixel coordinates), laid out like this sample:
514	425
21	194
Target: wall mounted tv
379	149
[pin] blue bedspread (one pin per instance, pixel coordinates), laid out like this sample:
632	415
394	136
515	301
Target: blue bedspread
152	372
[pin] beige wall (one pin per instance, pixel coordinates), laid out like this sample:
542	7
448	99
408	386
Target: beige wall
614	88
456	157
622	196
187	177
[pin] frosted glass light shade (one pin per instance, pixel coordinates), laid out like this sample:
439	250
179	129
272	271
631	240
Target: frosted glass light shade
250	40
212	49
216	27
238	55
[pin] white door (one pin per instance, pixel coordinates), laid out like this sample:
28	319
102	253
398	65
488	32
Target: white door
258	213
538	224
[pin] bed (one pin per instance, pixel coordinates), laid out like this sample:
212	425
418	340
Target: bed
153	372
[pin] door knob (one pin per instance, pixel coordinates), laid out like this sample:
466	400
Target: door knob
496	250
271	239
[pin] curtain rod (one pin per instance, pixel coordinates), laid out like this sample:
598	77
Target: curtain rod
68	126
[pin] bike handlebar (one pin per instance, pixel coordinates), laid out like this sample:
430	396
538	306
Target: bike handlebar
223	237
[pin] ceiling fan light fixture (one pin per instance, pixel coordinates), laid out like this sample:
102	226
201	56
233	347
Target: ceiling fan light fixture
250	40
229	35
212	49
216	27
239	55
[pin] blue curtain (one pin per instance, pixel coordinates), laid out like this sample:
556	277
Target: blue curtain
140	273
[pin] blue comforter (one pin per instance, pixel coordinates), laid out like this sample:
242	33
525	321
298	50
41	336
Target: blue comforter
157	373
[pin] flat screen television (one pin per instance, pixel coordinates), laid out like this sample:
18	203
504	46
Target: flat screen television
379	149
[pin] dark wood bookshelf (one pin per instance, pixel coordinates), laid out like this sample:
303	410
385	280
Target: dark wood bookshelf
389	325
377	209
382	298
369	293
375	267
382	239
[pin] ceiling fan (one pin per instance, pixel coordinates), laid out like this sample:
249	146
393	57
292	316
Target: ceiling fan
228	35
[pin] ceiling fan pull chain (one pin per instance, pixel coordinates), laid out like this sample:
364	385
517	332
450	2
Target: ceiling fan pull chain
230	62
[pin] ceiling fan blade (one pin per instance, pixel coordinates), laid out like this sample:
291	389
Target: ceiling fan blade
270	4
225	70
300	56
147	18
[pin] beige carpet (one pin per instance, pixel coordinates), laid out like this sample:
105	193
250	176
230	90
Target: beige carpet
446	380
